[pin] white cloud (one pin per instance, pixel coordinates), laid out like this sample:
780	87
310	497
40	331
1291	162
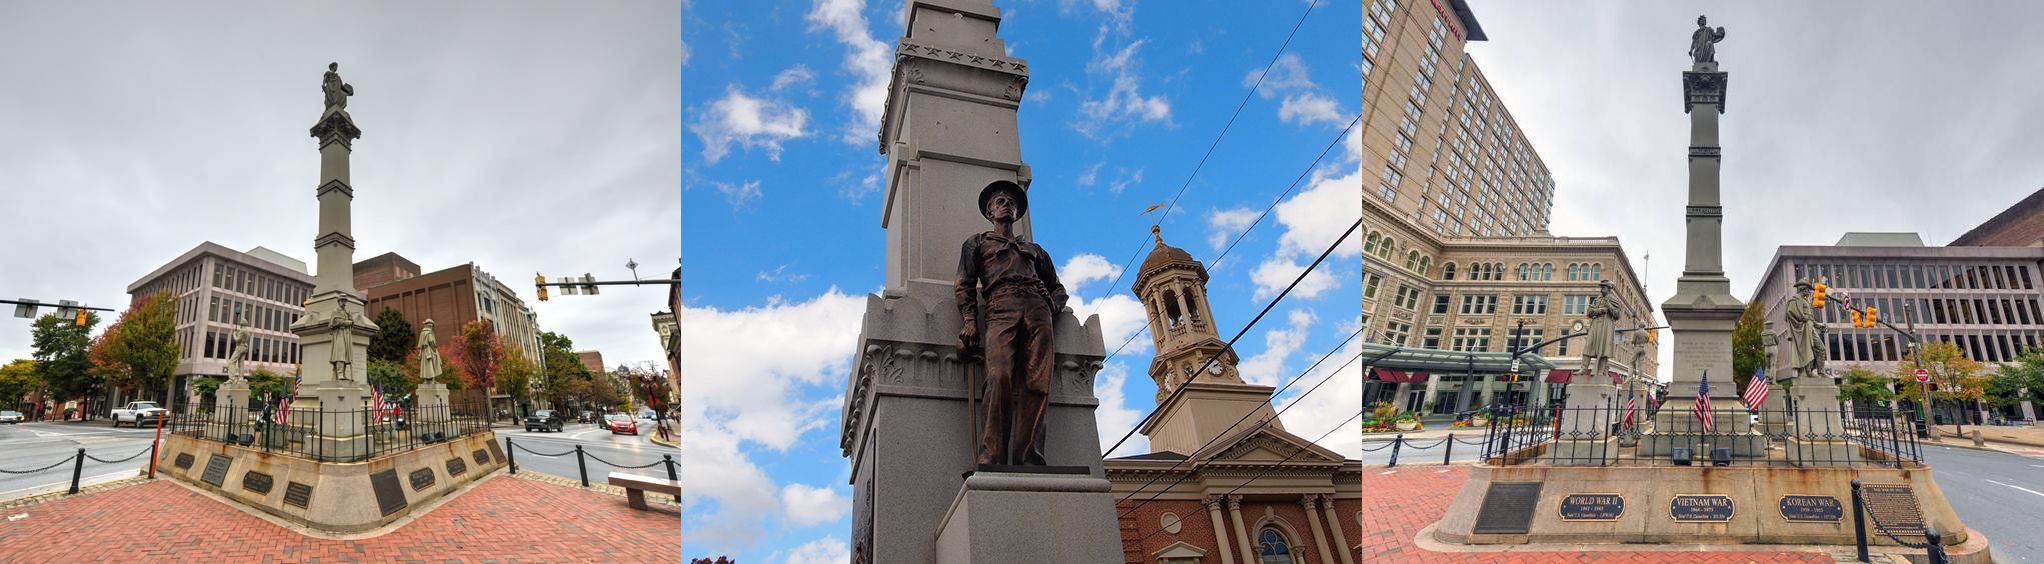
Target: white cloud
1120	313
1085	268
749	122
727	494
1114	416
1226	224
1038	96
1124	180
810	505
866	58
794	76
1333	403
684	53
1307	108
1274	274
738	194
1124	104
1092	174
780	274
1267	368
827	550
1286	74
1312	220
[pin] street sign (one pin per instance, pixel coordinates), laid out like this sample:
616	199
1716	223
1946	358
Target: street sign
1922	375
25	310
65	309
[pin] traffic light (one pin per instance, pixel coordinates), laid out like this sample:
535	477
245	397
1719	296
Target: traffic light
1857	319
539	281
80	319
1817	301
1873	314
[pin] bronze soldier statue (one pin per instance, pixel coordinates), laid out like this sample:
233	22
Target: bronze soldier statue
1022	297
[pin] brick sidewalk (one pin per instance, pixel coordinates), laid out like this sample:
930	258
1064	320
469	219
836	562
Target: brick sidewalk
502	519
1405	500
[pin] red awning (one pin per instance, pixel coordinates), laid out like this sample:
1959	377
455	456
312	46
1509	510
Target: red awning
1396	377
1558	376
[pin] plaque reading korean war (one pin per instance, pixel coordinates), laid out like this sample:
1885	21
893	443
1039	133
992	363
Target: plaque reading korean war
1811	509
1701	508
1592	507
1895	505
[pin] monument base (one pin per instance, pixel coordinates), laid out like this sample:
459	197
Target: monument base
343	497
1030	517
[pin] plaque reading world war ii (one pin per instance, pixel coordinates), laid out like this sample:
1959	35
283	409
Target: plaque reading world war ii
1811	509
1507	508
297	494
422	479
184	461
216	470
456	466
1592	507
1894	505
257	482
389	496
482	456
1701	508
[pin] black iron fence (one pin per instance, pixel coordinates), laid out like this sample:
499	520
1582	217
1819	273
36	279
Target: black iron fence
1603	435
336	435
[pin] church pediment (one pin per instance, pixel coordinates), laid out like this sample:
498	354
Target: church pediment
1272	446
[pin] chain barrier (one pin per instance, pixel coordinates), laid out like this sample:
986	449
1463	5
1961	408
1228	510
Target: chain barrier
1379	447
130	457
623	467
66	460
537	453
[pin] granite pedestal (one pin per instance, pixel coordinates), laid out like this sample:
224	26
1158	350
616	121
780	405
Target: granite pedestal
1003	517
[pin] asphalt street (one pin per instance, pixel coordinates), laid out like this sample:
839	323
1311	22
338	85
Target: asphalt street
28	446
602	451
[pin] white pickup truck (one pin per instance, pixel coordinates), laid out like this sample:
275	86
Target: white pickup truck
137	412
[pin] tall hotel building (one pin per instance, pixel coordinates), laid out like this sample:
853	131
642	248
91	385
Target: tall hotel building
1455	212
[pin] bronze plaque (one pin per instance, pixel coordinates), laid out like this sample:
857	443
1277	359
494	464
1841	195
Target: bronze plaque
390	497
456	466
216	470
1507	508
1895	506
184	461
496	453
297	494
421	479
1701	508
257	482
482	456
1592	507
1811	509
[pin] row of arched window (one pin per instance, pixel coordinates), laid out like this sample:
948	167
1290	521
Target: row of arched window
1585	271
1482	271
1380	245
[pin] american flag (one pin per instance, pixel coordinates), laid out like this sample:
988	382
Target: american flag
1702	408
376	405
1631	408
284	407
1756	390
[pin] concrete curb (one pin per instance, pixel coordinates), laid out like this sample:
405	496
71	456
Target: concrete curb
1975	546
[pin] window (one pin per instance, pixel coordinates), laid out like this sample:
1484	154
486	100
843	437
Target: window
1530	337
1472	340
1529	305
1408	297
1370	243
1440	304
1479	305
1271	547
1370	285
1432	339
1596	272
1412	260
1448	271
1396	332
1575	305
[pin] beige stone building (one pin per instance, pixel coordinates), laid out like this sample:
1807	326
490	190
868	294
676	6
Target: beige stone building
1457	255
218	288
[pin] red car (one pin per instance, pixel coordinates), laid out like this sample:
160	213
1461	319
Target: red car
621	423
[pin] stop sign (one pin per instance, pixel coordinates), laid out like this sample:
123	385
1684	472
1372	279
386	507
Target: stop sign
1922	375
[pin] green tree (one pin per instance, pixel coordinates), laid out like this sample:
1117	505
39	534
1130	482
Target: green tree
2019	379
564	380
265	385
1957	378
140	349
60	347
604	392
392	378
1864	387
393	339
17	379
1749	353
515	376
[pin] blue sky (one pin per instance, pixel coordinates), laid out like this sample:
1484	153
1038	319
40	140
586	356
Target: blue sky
781	231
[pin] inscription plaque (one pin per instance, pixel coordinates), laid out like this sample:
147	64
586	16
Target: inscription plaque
1700	508
1592	507
390	497
184	461
297	494
421	479
456	466
1811	509
1895	506
482	456
1507	508
496	453
257	482
216	470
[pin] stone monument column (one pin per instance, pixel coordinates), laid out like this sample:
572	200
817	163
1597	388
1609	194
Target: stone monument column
949	130
333	335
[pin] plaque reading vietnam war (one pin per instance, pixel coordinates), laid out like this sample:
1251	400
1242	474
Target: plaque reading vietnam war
1507	508
1592	507
1894	505
1811	509
1700	508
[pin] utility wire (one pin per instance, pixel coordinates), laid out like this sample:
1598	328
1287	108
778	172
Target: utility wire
1245	415
1252	479
1280	298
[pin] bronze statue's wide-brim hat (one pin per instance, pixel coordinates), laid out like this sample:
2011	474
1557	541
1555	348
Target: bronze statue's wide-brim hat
987	194
1804	284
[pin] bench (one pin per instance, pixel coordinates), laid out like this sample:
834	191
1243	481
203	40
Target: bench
636	487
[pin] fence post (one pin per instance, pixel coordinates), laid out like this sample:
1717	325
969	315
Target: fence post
77	470
671	475
1859	525
581	466
511	455
1447	452
1934	544
1396	443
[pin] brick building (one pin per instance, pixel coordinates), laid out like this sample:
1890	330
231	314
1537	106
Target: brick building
451	297
1218	485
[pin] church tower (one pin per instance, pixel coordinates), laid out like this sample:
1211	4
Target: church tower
1210	397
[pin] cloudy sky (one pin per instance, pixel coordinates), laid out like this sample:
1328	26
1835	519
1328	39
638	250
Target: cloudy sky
522	136
1877	116
780	106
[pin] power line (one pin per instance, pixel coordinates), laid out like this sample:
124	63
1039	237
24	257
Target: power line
1245	330
1245	415
1217	138
1252	479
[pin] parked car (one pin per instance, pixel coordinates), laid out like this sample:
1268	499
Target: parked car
545	419
138	412
10	417
619	423
586	416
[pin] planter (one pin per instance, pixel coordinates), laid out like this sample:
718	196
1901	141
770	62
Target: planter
1408	425
1479	422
